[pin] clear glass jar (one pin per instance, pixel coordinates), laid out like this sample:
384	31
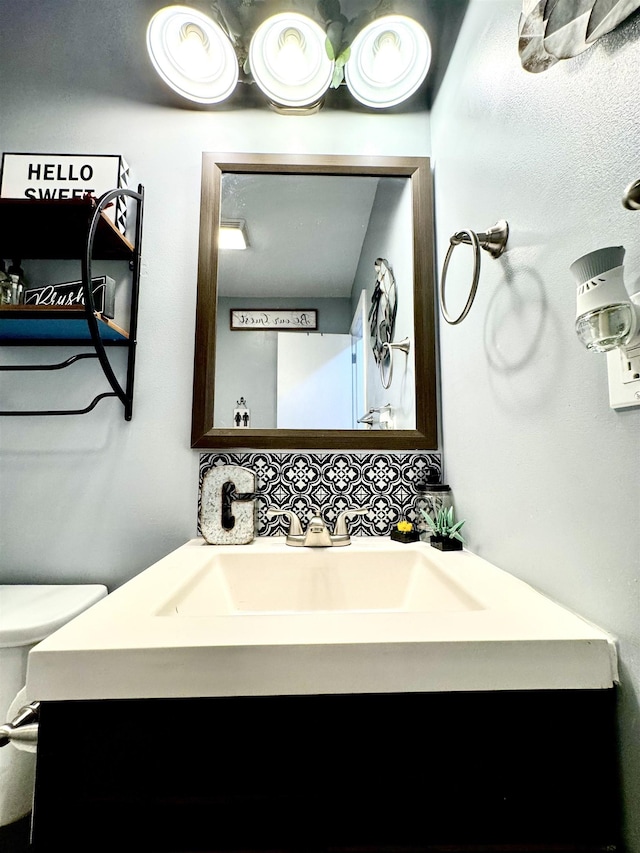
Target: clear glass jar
5	289
431	497
5	285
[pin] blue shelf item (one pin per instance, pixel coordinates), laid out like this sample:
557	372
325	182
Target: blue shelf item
20	325
71	229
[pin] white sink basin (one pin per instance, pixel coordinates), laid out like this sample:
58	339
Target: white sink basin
311	580
266	619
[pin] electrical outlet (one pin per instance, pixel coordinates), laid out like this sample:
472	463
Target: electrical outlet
630	360
623	368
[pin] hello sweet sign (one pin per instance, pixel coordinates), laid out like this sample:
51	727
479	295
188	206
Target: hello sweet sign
66	176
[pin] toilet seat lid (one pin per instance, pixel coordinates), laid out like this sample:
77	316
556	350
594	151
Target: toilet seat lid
30	612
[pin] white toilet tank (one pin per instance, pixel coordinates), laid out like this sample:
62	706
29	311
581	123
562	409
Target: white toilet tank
28	614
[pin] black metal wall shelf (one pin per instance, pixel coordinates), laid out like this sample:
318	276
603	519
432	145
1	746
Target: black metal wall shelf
71	229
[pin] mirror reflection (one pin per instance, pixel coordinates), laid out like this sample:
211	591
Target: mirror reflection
297	330
312	258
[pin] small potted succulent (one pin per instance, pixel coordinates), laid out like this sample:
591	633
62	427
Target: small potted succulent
445	532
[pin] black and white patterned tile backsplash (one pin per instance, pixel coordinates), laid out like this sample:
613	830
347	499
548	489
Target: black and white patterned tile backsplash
332	482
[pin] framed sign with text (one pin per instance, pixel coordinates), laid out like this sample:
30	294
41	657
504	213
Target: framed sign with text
66	294
66	176
272	319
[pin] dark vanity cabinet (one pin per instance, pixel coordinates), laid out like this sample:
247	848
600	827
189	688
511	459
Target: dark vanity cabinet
79	230
511	771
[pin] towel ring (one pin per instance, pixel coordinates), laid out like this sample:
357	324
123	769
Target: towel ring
493	241
387	350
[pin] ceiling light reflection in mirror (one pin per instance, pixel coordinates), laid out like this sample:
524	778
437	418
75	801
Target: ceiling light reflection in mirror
233	235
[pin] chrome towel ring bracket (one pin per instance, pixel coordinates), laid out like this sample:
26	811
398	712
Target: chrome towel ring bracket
386	360
493	241
631	197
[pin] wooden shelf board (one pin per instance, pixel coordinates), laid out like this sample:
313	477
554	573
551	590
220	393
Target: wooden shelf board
56	229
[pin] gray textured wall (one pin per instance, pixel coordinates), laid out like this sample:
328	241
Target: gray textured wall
547	476
94	498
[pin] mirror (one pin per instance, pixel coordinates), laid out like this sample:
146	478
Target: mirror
283	352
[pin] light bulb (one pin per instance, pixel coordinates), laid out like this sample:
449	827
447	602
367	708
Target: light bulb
387	64
290	56
191	53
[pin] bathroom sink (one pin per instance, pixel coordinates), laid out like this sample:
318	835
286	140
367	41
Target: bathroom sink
267	619
308	580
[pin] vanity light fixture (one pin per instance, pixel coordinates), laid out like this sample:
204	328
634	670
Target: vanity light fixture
232	234
289	56
289	62
389	61
192	54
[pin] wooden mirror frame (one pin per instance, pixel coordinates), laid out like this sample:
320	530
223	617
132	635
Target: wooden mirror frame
418	170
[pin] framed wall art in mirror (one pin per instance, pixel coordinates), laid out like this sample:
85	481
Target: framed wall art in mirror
314	230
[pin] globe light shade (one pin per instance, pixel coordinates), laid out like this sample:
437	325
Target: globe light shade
289	61
192	54
389	61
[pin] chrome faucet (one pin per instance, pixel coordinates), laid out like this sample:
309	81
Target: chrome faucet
317	534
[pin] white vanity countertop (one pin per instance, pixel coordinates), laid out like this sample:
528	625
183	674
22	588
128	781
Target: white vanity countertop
140	643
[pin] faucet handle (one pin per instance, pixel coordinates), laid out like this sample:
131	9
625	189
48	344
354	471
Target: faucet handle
295	527
341	522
